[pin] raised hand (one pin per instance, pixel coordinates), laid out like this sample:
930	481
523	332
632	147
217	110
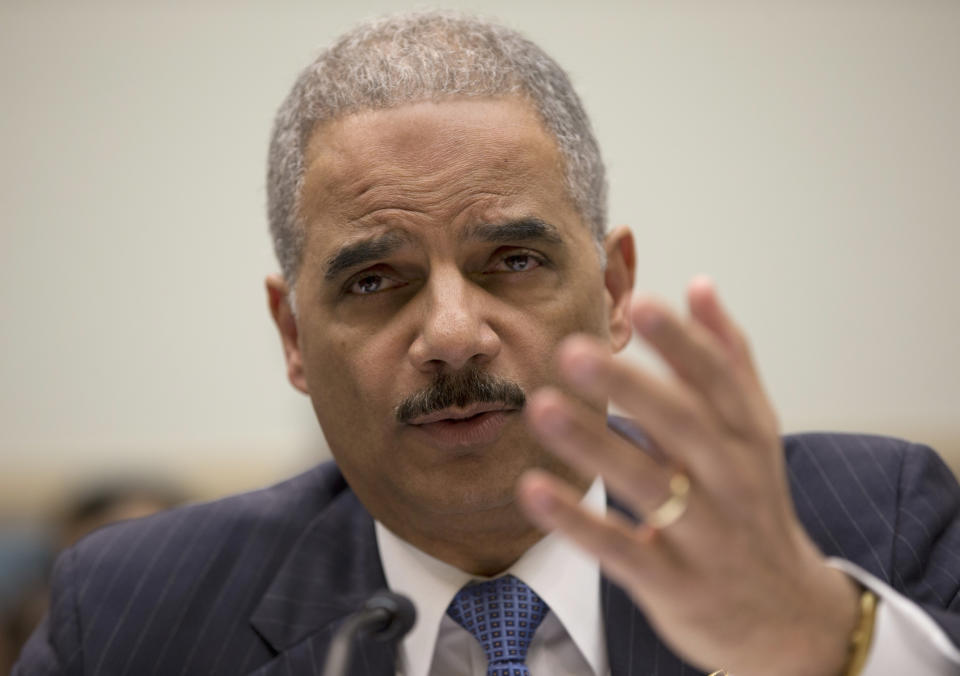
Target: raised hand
723	569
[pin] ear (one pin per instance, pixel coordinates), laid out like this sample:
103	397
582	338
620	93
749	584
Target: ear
619	278
278	297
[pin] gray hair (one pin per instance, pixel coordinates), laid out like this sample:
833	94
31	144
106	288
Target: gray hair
420	56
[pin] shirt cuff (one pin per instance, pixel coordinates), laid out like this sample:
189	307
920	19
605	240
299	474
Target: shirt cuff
905	639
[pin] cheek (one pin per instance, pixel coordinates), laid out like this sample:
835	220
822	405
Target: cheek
532	334
593	304
350	374
582	309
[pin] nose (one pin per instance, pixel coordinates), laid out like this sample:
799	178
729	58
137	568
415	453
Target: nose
453	331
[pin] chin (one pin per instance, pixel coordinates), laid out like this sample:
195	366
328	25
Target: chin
469	488
475	500
479	491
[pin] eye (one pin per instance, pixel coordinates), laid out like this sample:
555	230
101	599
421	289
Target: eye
517	262
371	283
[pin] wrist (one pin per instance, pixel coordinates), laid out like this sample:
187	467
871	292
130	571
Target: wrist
836	620
817	641
862	636
839	621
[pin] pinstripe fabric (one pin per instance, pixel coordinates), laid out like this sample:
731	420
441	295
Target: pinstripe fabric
257	583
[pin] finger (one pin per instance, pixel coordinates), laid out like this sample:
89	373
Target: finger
676	419
699	359
706	308
623	550
573	432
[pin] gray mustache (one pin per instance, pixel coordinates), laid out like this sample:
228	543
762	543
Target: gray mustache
461	389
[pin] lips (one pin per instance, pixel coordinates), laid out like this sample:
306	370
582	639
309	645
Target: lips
474	425
456	414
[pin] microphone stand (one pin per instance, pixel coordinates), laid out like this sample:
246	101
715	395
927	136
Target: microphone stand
385	617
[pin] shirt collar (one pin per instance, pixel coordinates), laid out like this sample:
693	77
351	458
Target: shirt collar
566	578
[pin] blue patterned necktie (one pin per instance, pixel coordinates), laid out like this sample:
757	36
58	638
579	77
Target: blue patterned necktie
502	614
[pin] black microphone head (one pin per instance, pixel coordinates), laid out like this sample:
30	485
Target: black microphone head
399	615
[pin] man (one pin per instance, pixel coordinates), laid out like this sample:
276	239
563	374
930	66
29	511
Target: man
450	301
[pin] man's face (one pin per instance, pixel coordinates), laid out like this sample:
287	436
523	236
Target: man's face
442	254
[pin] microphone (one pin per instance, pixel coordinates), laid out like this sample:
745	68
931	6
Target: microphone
385	617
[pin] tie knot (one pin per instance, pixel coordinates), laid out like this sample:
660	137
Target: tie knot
502	614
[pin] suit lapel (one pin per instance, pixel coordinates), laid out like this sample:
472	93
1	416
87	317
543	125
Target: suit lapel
333	568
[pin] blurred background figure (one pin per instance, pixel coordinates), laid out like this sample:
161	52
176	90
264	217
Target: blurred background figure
28	551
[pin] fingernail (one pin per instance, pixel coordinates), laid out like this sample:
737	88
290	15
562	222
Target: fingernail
543	502
703	281
553	421
648	319
583	368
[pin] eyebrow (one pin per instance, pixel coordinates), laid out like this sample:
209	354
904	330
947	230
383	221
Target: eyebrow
523	229
364	251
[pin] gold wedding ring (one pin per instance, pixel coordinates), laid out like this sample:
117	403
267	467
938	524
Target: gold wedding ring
674	506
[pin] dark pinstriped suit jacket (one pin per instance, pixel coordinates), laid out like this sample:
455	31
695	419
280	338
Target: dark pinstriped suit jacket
258	583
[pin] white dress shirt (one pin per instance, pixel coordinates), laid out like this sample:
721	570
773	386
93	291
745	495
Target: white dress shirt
571	640
905	639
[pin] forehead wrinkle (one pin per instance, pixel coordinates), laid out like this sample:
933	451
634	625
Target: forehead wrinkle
442	186
428	167
376	196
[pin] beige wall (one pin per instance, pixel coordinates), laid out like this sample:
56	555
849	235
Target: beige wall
804	153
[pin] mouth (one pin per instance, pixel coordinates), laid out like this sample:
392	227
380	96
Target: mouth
460	414
474	425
